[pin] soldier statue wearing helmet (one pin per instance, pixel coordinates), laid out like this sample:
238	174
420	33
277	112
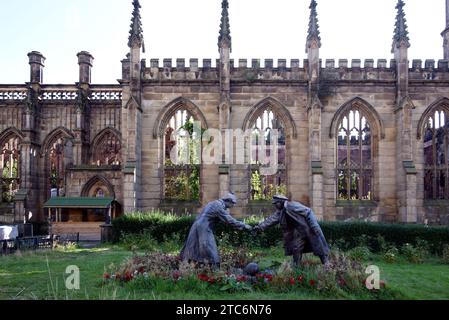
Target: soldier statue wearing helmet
300	228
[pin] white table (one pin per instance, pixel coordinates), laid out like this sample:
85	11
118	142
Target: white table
8	232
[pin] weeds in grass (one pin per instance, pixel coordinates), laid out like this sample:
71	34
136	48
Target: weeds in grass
414	254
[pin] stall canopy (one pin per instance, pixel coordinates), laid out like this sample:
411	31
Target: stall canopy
79	202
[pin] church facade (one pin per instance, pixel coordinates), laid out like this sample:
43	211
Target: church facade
354	140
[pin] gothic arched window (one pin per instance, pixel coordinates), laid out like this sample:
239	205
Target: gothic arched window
268	158
107	151
436	156
354	157
99	193
10	164
182	156
57	167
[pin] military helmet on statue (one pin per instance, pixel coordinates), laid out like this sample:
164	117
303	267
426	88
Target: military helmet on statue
279	198
231	197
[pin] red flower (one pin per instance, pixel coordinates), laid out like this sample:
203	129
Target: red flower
106	276
383	285
211	280
128	276
242	278
118	276
292	281
312	282
203	277
141	270
300	279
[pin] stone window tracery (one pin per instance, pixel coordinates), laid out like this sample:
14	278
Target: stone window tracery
57	167
182	158
99	193
354	157
108	150
268	148
10	164
436	156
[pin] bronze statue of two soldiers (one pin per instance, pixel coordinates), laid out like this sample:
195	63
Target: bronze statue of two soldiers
300	228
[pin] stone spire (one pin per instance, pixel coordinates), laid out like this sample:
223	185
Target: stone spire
136	32
447	13
224	107
313	35
224	38
400	32
445	33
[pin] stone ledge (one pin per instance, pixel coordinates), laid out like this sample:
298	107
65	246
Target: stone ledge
317	167
356	203
409	167
130	168
94	168
260	207
21	195
223	169
180	207
436	203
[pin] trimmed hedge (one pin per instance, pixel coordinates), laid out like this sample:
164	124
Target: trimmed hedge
165	226
161	226
396	234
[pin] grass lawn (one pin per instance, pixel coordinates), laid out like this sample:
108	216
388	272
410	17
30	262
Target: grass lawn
428	281
41	275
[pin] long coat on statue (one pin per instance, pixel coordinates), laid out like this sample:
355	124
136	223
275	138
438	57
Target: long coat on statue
201	245
298	223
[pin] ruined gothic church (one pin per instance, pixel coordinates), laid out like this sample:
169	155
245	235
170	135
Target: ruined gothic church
358	140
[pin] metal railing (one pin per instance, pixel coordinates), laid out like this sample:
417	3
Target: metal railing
37	243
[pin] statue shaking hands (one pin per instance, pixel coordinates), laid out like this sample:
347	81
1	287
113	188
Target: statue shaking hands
300	229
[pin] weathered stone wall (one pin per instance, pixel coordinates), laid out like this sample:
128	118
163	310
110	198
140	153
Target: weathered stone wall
82	180
427	94
340	85
157	100
53	115
283	87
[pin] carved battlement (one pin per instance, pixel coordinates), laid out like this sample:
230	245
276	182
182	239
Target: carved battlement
248	71
294	69
52	94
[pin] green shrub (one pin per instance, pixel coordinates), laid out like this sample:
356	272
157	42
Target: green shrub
360	253
381	244
378	237
339	244
161	226
393	234
363	240
423	247
412	253
158	224
142	241
390	255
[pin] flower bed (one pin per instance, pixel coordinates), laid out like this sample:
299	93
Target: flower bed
341	275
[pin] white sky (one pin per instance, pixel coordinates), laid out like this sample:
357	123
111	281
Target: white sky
350	29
